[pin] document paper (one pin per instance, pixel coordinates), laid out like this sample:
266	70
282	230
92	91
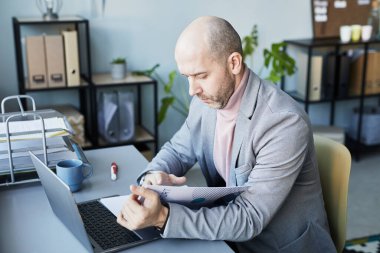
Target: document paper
189	196
56	127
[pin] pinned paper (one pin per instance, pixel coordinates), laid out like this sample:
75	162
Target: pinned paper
364	2
320	18
340	4
320	10
321	3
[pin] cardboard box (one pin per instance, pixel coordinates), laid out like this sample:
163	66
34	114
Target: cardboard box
36	62
372	85
76	120
370	134
55	61
332	132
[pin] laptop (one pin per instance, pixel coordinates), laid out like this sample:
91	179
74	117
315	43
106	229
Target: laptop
90	222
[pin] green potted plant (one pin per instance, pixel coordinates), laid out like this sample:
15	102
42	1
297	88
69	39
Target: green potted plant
276	60
118	68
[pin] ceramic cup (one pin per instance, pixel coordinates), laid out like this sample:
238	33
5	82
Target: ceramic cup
345	33
73	172
366	32
355	32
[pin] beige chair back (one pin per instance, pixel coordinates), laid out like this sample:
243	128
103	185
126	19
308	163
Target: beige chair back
334	162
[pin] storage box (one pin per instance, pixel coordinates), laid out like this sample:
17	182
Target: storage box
370	134
372	85
332	132
76	120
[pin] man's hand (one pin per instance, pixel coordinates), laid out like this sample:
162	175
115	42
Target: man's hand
162	178
150	212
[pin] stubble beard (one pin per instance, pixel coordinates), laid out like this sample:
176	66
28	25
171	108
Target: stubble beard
223	96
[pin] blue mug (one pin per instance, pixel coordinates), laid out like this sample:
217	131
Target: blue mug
73	172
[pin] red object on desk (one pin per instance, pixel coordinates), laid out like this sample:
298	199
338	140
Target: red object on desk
114	171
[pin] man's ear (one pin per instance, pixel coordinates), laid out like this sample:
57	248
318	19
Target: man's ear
235	63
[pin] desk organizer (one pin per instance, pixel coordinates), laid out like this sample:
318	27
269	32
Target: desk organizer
44	132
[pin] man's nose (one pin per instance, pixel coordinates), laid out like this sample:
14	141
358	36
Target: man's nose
194	87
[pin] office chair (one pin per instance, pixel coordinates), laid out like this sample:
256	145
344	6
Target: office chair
334	163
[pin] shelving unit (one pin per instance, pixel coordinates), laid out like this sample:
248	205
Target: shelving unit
81	25
91	83
142	134
312	46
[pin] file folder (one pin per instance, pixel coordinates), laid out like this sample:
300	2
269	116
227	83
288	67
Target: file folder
315	76
108	117
70	39
35	58
126	115
55	61
116	117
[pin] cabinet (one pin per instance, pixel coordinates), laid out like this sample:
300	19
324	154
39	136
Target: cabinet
331	89
90	83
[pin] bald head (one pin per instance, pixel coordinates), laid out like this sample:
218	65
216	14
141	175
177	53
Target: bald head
211	35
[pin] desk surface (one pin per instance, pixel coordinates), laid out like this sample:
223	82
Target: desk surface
27	223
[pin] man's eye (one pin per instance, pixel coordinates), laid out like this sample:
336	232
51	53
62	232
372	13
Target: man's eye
203	76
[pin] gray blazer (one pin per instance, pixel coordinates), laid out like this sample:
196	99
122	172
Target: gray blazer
273	153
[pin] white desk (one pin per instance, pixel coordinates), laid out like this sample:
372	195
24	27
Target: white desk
27	223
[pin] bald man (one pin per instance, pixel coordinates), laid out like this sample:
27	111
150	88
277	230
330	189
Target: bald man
242	131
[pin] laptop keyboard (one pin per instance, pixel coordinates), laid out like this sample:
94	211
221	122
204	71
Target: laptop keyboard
101	225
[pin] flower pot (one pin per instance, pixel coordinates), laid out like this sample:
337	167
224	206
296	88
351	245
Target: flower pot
118	71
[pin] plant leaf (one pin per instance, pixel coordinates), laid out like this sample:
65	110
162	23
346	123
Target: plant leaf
147	72
279	62
166	102
168	86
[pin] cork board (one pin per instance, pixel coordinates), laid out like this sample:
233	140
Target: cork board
329	15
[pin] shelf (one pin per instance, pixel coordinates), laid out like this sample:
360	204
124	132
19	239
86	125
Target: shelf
40	20
87	91
141	136
105	80
300	98
331	42
83	84
313	46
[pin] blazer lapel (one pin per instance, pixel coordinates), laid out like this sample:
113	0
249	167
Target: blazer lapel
208	128
243	121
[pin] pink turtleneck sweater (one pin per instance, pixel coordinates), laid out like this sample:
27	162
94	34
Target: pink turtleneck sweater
225	130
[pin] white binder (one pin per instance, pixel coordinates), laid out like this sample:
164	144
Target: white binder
315	84
70	39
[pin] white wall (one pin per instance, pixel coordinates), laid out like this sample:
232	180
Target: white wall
145	31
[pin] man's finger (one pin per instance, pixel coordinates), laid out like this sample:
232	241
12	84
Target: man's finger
142	191
177	180
149	179
122	221
129	208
